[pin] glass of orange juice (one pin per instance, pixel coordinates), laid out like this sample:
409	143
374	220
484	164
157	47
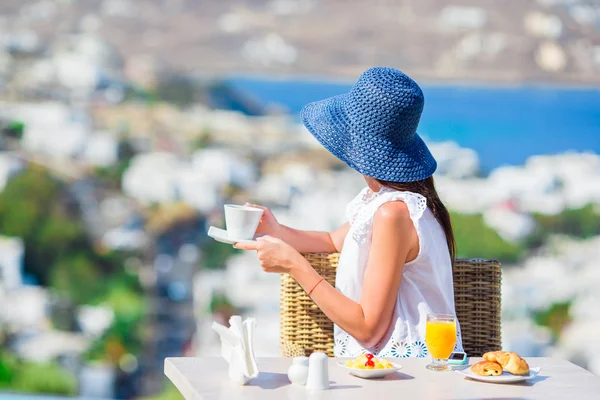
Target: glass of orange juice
440	338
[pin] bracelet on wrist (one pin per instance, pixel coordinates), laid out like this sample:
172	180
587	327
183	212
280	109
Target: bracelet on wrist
315	286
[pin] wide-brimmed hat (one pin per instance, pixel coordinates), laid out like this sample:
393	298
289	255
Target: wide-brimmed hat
373	127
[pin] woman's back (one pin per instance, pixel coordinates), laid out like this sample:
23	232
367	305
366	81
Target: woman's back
426	285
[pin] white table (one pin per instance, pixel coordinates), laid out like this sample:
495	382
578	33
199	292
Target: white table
206	378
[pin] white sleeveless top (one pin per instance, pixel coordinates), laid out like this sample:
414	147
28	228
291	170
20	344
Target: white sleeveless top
426	285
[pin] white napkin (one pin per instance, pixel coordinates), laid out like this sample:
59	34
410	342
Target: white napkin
237	348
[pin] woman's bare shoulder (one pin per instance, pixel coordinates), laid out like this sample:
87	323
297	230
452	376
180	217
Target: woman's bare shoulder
393	211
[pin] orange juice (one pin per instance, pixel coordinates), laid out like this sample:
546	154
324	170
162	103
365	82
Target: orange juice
440	337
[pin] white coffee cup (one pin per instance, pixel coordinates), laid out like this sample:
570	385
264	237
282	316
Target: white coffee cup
241	221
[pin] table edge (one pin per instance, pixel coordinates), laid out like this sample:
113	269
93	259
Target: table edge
182	384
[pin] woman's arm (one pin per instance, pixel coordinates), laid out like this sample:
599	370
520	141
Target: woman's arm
302	241
313	241
394	242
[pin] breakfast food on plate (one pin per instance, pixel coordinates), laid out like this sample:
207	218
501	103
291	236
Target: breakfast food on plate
487	368
516	365
510	362
368	361
493	355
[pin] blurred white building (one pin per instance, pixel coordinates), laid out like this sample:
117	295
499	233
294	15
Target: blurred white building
151	177
97	381
454	161
28	308
566	270
116	210
543	25
101	149
76	71
222	167
50	129
6	62
546	184
22	41
510	223
163	177
309	199
247	286
12	251
94	320
123	238
9	166
270	49
462	17
47	345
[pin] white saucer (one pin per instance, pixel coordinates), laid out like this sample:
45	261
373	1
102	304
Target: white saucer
220	235
504	378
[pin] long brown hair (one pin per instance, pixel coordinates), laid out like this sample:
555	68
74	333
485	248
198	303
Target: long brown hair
426	188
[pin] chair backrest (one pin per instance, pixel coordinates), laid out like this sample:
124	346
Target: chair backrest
477	283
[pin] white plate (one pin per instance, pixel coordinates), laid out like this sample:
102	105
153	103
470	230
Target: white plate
370	373
504	378
220	235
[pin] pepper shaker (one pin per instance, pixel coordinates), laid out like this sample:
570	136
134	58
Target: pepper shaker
318	372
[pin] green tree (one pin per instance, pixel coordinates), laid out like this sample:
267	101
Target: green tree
125	335
13	129
127	303
203	140
36	207
44	378
24	376
77	275
556	317
579	222
474	239
215	254
169	392
32	208
8	368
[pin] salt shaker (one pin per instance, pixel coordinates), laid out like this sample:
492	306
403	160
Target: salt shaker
298	371
318	372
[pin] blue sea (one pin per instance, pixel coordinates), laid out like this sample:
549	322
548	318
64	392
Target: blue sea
504	125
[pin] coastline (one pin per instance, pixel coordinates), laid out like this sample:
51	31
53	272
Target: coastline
504	125
469	84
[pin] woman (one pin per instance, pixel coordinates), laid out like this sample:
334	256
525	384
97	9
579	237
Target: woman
397	247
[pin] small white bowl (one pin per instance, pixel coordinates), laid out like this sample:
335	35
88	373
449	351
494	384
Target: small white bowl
370	373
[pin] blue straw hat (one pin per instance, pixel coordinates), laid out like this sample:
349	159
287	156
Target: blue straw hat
373	127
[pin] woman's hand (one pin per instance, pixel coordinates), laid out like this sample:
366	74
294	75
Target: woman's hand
275	255
268	223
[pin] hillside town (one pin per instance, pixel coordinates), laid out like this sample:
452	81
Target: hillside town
532	40
116	155
162	187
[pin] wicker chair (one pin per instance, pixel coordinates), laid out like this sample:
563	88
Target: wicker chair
304	328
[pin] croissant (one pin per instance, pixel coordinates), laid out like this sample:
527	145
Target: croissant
487	368
516	365
497	356
511	362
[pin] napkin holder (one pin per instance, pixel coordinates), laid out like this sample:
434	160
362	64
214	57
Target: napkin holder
237	348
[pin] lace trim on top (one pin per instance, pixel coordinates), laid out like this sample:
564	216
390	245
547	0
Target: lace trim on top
361	210
394	348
